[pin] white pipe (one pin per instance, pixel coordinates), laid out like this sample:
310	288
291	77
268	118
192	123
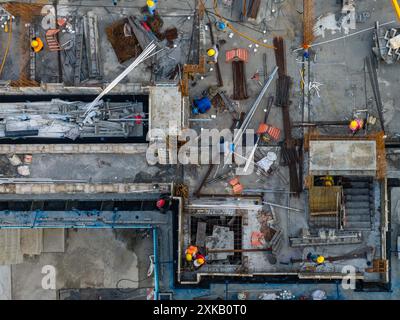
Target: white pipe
143	56
283	207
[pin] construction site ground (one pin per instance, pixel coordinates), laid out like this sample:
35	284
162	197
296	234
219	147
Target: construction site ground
337	65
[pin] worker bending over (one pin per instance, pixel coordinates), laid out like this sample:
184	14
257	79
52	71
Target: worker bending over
318	259
191	252
36	44
356	125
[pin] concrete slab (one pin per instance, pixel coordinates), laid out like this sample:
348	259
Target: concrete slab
165	111
10	247
5	283
336	157
31	241
53	240
92	259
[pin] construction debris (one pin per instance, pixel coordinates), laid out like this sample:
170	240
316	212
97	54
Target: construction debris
127	117
387	44
125	47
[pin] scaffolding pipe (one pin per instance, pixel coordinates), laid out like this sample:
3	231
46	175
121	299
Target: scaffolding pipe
155	253
253	109
283	207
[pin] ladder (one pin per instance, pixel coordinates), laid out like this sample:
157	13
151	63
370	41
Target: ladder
51	39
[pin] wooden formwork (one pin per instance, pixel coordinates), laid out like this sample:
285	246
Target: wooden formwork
26	11
308	22
191	69
325	200
378	137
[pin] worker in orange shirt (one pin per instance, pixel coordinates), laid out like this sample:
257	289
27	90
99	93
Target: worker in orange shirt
37	44
191	253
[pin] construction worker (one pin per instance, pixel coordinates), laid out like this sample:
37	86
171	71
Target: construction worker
192	252
328	181
151	6
356	125
189	257
199	261
213	54
318	259
162	204
36	44
221	26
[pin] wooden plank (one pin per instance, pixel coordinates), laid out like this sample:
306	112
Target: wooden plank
201	234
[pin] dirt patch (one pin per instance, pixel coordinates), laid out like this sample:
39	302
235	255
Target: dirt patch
125	48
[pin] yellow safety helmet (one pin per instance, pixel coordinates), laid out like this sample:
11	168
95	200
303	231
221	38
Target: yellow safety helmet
328	183
34	43
150	3
211	52
353	125
320	259
189	257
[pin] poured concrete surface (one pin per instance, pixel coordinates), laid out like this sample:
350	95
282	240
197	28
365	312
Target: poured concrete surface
98	168
92	259
53	240
338	65
5	283
165	111
336	157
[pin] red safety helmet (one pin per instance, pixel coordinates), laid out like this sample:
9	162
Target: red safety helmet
160	203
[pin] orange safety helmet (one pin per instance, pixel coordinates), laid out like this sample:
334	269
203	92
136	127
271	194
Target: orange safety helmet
192	250
262	128
37	44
